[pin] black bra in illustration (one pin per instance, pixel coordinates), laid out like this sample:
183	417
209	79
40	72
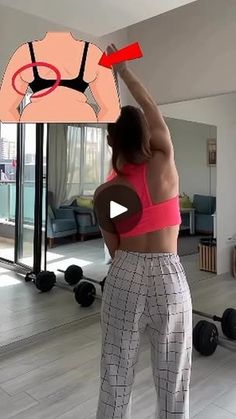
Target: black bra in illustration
77	83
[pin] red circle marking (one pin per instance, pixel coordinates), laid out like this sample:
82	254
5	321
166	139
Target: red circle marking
38	64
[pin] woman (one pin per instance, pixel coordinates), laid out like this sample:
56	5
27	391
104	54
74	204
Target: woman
146	287
110	176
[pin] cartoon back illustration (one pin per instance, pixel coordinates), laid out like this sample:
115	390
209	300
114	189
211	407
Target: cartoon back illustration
58	71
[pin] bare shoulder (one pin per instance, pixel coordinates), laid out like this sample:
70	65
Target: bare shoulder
21	53
92	63
95	52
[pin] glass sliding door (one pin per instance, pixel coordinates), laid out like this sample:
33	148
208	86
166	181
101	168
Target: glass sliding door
44	196
30	196
23	153
8	150
26	194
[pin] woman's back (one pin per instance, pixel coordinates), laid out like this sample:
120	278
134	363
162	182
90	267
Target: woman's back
163	184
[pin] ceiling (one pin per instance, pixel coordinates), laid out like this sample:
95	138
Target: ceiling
95	17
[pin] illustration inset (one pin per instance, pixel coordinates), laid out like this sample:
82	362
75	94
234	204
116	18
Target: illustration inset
50	80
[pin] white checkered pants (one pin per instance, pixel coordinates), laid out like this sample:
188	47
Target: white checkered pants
146	292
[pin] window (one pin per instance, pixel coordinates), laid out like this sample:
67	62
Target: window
74	161
88	159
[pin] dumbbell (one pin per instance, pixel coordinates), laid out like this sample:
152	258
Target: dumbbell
228	321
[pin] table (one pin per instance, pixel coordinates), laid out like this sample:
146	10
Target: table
191	226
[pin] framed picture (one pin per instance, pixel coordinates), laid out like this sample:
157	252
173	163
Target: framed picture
211	152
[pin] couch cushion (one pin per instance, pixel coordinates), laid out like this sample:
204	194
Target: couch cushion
204	223
88	229
63	225
204	204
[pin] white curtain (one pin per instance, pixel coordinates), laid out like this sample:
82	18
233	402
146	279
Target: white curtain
57	167
87	159
93	159
75	158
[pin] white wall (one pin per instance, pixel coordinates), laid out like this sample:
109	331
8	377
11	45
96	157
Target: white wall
188	52
190	144
226	196
17	28
219	111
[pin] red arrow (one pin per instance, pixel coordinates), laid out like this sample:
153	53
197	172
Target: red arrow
131	52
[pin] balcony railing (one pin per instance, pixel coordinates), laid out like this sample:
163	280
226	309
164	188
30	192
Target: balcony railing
8	201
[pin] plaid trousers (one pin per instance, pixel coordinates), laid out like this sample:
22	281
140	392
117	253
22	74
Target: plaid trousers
146	292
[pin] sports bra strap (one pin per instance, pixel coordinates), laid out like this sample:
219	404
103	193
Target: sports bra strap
35	70
82	66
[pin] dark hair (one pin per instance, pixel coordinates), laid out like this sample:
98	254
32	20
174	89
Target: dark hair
130	137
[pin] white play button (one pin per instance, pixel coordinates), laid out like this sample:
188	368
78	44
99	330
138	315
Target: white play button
116	209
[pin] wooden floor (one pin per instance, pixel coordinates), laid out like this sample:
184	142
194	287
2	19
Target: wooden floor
50	348
26	312
58	377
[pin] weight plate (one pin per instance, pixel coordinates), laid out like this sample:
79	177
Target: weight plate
73	274
85	294
196	333
45	281
208	339
228	323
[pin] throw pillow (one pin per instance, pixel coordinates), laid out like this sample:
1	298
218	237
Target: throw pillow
185	201
85	202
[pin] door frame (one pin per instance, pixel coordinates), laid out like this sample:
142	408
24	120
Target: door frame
38	203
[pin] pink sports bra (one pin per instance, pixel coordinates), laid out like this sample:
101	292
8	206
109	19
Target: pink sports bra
154	216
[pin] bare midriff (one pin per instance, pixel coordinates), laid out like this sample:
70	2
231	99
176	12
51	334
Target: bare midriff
63	104
162	241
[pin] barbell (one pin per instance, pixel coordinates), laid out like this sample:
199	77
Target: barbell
205	334
46	280
74	274
228	321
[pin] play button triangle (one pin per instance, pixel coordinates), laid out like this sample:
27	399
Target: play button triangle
116	209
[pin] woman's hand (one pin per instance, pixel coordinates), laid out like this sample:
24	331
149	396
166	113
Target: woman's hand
120	67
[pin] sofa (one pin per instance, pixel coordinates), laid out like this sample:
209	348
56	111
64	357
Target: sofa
81	209
60	223
205	207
